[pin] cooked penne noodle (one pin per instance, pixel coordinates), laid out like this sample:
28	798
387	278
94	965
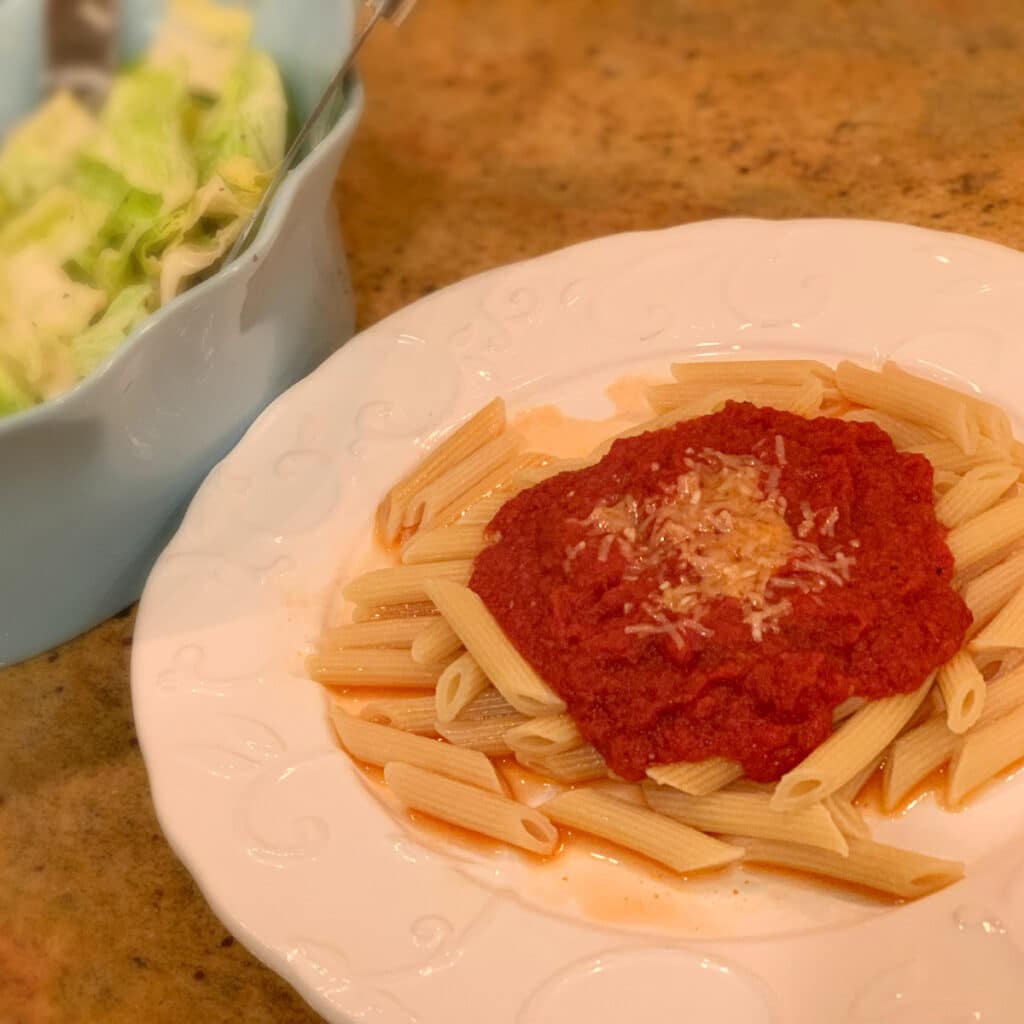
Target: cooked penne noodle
913	757
481	512
382	613
746	814
846	816
379	744
471	808
458	686
903	433
992	421
486	425
717	372
854	744
850	790
670	843
410	714
543	737
910	398
500	480
375	633
945	480
369	666
946	456
580	764
403	584
436	645
1006	630
801	399
506	668
486	734
490	704
963	690
424	507
1005	693
984	752
987	533
978	490
888	869
698	778
987	593
449	543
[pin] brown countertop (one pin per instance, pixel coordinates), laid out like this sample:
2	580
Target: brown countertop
494	132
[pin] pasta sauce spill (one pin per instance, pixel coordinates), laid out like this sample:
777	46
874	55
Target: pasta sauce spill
719	587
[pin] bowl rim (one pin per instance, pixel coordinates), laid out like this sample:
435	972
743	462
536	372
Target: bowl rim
277	213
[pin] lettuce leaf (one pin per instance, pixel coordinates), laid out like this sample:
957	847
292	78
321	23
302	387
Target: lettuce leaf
40	150
142	137
248	123
203	38
96	344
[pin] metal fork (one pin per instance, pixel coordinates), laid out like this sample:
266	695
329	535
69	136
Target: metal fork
391	10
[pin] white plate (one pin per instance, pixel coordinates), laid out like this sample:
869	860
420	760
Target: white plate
371	922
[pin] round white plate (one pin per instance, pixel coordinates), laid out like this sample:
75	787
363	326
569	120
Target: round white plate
371	922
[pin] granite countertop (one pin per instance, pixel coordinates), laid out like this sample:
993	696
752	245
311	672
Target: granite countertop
494	132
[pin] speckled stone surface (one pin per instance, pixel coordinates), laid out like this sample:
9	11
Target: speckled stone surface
494	132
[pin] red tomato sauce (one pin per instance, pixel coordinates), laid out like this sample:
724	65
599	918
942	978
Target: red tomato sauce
870	613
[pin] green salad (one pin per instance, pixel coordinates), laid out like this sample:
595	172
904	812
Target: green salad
105	217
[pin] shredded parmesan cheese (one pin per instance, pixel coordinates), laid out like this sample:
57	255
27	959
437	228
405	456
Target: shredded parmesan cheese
717	531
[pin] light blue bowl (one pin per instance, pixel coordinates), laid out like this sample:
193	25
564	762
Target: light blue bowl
92	485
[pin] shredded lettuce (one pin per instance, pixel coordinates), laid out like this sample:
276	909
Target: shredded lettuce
40	151
105	218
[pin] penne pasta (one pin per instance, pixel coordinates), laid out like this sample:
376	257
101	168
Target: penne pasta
1006	630
471	808
986	594
887	869
488	735
580	764
988	533
490	704
854	744
379	744
543	737
410	714
398	633
436	645
984	752
538	474
369	666
910	398
803	399
698	778
458	686
718	372
506	668
963	691
486	425
380	613
483	511
746	814
913	757
947	456
675	845
903	433
449	543
850	790
977	491
500	480
992	421
424	507
404	583
846	816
